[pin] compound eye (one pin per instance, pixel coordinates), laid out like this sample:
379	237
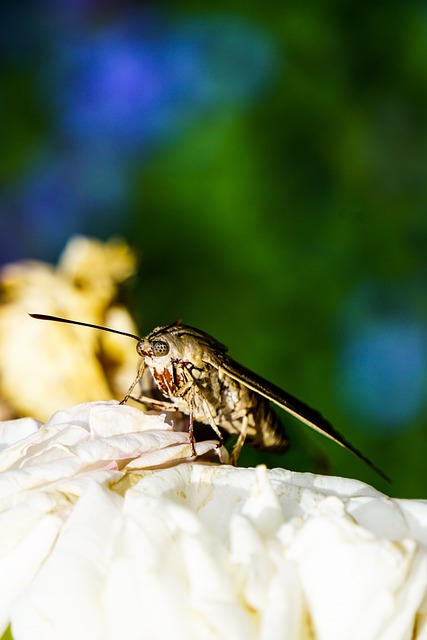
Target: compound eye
160	348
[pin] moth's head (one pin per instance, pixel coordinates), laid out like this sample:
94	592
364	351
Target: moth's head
176	343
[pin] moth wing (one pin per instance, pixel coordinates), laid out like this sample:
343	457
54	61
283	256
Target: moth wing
292	405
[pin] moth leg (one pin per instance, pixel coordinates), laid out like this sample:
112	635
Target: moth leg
134	383
169	406
188	389
191	420
237	415
208	414
185	387
195	383
212	421
156	404
240	441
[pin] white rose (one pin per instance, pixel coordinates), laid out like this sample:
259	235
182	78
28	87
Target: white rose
107	531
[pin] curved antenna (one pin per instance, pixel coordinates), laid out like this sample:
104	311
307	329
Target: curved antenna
41	316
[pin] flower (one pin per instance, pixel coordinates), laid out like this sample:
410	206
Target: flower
45	366
109	529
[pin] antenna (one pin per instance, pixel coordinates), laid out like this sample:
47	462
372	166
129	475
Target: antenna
41	316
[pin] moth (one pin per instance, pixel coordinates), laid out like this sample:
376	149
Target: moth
195	375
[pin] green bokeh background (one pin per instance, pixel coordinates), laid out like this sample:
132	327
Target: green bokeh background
258	225
259	221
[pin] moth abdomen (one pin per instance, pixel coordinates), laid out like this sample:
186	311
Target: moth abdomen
269	433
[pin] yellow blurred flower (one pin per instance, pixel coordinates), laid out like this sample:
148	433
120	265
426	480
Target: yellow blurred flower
45	366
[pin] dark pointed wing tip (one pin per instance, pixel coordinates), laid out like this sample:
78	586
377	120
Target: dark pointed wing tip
384	476
373	466
370	464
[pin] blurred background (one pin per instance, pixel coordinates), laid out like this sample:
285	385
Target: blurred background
268	164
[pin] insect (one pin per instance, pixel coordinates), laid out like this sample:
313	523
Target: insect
195	375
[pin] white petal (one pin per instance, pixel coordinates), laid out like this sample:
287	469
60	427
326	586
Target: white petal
108	419
13	430
179	449
284	611
66	599
127	445
178	558
263	506
27	535
353	581
415	514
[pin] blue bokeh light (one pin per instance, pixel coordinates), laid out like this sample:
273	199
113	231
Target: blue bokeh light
137	81
382	370
64	195
115	89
